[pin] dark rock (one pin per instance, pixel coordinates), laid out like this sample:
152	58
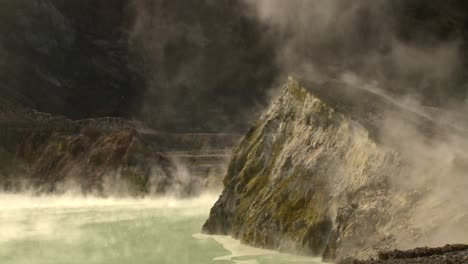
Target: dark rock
421	252
66	58
456	254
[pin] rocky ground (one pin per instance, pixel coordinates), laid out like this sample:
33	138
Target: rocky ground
449	254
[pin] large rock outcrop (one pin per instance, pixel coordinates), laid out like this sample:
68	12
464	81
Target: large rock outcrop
317	174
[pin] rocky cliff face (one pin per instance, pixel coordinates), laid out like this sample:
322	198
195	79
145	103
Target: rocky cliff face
316	175
45	153
75	59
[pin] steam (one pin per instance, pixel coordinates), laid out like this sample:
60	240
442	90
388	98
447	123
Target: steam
361	43
322	39
29	201
179	181
435	169
204	63
65	227
103	230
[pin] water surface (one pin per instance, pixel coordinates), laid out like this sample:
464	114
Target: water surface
77	230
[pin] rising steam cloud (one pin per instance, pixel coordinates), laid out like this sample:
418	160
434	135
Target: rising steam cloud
205	63
382	41
381	46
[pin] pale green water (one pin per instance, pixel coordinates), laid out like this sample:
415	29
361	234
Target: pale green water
64	230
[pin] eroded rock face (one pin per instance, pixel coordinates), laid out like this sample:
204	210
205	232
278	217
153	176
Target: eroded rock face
42	152
314	176
107	156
